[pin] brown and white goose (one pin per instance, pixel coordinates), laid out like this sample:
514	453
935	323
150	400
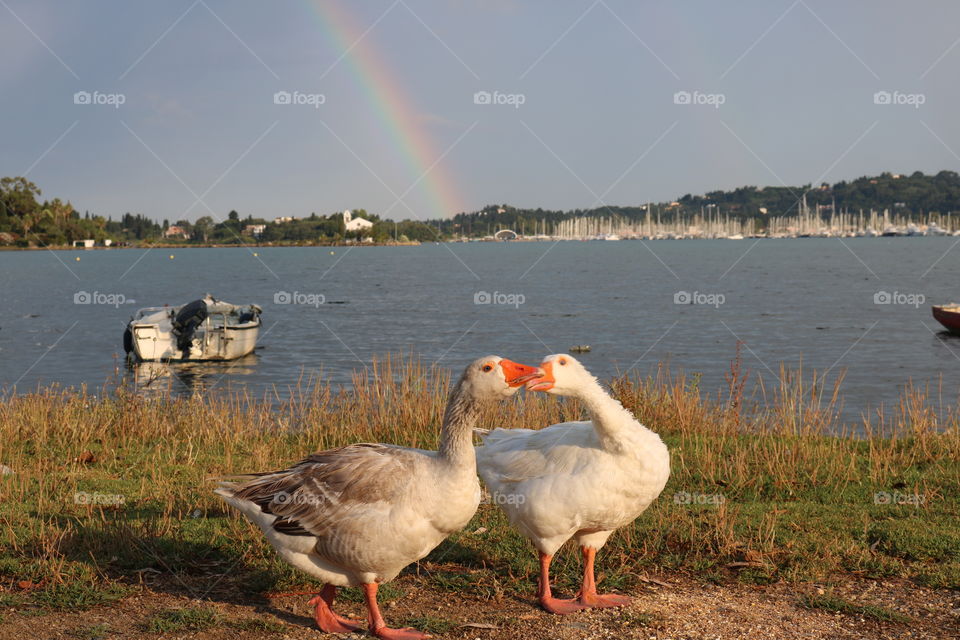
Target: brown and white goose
357	515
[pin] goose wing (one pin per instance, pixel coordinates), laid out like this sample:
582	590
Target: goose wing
510	456
331	489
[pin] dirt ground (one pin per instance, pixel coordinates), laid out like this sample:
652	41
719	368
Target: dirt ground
665	607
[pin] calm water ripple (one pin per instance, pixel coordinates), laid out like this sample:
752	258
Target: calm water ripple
791	301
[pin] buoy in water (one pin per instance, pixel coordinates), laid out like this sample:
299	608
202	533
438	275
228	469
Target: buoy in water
78	258
580	348
171	256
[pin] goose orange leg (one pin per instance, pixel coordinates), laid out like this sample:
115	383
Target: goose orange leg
326	619
547	601
378	627
588	596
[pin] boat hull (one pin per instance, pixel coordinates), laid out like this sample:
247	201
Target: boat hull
200	331
152	343
949	317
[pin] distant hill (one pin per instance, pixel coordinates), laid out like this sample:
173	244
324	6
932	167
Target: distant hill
906	195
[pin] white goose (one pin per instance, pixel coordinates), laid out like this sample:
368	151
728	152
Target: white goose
357	515
576	479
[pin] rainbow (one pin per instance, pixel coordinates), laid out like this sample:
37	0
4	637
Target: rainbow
393	107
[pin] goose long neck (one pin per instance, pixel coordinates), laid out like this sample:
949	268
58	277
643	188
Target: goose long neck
609	417
456	435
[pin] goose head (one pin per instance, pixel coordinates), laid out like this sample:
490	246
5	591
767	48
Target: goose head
563	375
495	377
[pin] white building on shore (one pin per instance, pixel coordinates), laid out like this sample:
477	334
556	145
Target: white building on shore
355	224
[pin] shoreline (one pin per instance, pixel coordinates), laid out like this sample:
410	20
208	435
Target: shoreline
414	243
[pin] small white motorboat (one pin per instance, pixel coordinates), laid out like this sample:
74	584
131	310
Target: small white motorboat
206	329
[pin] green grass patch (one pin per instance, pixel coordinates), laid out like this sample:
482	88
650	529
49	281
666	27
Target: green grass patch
637	619
78	596
10	600
477	583
186	619
429	624
916	536
836	604
92	632
938	576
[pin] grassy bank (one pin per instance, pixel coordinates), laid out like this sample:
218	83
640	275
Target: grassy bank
111	492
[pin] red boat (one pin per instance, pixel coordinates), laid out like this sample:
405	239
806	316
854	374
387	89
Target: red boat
948	315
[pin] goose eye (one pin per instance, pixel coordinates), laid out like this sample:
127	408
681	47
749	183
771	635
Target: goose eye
488	367
563	361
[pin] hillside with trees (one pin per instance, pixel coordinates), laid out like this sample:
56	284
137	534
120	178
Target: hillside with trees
25	220
28	220
911	196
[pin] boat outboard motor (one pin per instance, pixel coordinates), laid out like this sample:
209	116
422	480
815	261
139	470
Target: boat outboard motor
185	324
127	340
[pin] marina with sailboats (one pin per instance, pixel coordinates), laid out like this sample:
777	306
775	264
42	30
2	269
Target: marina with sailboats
817	221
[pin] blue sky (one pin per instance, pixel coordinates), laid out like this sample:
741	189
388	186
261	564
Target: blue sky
598	121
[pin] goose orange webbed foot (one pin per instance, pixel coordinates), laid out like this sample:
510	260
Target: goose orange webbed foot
326	619
545	596
603	601
407	633
329	622
561	607
378	627
588	595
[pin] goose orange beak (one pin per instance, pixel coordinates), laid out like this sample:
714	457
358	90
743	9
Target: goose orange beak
516	374
544	382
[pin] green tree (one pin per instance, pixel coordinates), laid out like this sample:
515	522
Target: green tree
202	228
18	198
